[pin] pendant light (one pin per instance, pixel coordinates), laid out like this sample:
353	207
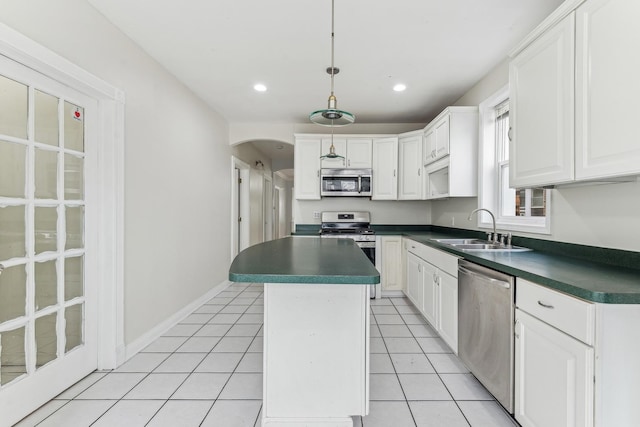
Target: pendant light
331	116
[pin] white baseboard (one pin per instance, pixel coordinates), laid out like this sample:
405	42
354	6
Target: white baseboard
133	348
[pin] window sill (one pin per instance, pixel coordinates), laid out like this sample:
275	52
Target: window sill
536	227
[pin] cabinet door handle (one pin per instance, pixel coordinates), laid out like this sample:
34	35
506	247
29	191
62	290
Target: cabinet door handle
509	133
418	171
545	305
419	269
318	173
517	330
349	162
394	173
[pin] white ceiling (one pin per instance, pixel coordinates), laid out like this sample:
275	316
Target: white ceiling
220	49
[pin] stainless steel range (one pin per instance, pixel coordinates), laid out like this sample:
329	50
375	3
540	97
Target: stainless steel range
351	225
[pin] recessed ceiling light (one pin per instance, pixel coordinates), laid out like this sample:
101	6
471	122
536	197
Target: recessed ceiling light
260	87
399	87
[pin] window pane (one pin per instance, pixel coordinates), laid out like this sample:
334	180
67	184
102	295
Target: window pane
508	195
73	278
73	127
538	202
46	118
46	174
14	98
12	232
12	168
46	339
46	232
502	131
12	359
13	292
73	177
75	227
46	278
521	202
73	331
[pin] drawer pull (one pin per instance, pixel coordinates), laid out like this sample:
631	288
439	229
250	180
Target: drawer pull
544	305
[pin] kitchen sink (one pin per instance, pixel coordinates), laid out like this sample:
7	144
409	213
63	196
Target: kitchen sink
461	241
471	245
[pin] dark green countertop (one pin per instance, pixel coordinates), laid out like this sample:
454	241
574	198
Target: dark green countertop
588	279
304	260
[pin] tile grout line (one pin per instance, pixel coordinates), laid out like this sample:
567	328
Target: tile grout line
239	361
438	373
171	354
149	373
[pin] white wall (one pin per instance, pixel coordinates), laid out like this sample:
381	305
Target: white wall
382	211
177	189
596	215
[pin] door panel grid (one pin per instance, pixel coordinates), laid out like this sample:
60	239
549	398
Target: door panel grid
42	229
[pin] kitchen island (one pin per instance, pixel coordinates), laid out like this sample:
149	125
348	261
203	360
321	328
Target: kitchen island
316	328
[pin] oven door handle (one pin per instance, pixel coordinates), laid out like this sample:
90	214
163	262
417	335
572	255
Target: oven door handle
366	245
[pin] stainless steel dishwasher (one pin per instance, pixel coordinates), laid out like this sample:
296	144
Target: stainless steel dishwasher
485	328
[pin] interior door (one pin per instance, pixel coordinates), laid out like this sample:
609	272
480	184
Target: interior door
48	228
267	216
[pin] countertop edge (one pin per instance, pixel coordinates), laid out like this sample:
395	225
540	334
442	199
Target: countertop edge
588	295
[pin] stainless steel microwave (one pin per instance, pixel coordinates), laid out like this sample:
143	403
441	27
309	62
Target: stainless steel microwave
345	182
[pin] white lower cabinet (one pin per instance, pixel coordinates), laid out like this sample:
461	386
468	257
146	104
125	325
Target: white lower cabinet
448	313
576	362
430	292
389	262
415	286
554	376
554	358
432	286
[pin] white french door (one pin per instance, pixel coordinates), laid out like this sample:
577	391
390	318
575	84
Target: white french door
48	229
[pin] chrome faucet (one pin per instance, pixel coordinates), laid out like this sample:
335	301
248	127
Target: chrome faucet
494	236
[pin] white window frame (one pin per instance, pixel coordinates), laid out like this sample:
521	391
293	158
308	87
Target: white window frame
488	176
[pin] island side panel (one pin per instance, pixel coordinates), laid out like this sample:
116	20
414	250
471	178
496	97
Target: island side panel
316	353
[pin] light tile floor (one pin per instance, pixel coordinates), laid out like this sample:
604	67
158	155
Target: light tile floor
207	371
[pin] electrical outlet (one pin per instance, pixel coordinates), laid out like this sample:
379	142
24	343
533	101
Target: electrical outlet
316	215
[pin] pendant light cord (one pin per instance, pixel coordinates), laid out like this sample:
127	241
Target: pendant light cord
332	44
332	68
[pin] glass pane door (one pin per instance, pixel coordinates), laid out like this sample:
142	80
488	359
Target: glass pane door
44	303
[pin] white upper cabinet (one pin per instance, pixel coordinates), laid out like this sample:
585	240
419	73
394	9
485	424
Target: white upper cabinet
541	92
436	139
357	153
451	154
385	169
410	166
607	89
307	168
574	90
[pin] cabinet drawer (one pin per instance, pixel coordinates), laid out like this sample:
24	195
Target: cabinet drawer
571	315
443	260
